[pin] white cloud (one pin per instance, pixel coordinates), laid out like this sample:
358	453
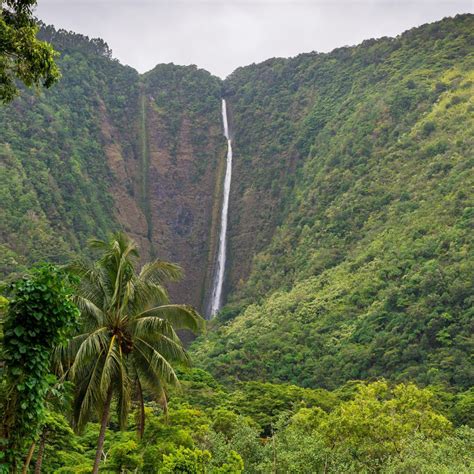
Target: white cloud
220	35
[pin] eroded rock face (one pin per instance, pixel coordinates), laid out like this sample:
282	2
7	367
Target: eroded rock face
165	191
181	179
125	174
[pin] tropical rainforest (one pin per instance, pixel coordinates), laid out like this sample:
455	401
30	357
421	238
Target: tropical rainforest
345	340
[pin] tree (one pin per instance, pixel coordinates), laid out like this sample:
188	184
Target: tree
380	420
127	338
40	315
186	460
55	426
22	55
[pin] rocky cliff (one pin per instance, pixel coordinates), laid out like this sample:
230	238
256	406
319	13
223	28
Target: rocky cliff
108	149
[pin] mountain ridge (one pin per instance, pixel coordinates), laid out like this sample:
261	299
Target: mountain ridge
108	148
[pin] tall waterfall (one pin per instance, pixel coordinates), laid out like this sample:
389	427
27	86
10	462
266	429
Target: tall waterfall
216	301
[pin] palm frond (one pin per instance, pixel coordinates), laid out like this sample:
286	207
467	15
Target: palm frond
90	348
128	295
91	285
179	316
147	295
91	314
151	327
64	354
170	347
160	272
161	368
147	376
87	393
111	368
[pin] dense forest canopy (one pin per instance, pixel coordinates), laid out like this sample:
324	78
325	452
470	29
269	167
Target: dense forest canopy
23	56
345	341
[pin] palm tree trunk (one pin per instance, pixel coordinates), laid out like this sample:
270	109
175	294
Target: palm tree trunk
103	427
28	458
141	420
39	458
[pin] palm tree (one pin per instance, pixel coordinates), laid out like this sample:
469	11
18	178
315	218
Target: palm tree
127	338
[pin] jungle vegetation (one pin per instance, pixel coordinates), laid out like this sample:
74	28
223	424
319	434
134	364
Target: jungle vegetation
22	55
345	342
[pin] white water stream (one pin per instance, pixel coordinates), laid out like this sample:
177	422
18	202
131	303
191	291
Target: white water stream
216	301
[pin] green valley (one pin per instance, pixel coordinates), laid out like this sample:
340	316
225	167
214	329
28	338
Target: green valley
344	342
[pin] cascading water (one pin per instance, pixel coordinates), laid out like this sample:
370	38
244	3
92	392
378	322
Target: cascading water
216	300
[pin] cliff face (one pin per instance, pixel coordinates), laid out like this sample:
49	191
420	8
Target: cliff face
182	146
109	149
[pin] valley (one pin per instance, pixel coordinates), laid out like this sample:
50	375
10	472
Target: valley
321	208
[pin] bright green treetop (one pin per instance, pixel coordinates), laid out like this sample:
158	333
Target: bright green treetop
22	55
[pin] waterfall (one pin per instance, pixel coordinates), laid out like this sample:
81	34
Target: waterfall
216	301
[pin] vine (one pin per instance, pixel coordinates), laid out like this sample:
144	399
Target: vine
39	317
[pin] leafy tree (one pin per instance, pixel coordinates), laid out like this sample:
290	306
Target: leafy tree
124	457
362	434
265	402
22	55
55	430
186	460
127	338
463	410
452	454
40	315
379	420
56	436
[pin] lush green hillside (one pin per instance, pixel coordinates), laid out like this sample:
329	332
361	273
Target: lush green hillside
369	271
107	148
349	232
54	178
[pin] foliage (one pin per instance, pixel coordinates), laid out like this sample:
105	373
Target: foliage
354	190
380	420
450	454
185	460
463	408
22	55
40	316
379	427
353	198
265	402
55	182
124	457
127	337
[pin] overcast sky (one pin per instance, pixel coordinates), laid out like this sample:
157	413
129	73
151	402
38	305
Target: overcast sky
220	35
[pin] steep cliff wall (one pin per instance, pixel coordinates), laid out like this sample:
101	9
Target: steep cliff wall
109	149
184	145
